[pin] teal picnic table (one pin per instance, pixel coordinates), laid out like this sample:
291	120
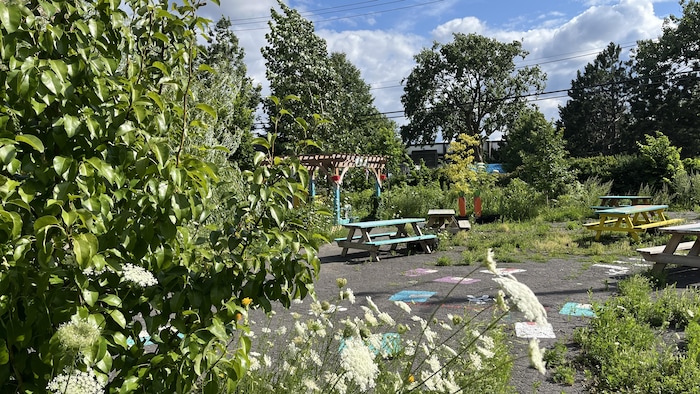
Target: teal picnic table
616	201
632	219
360	235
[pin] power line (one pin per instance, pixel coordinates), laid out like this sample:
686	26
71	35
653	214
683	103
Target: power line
354	15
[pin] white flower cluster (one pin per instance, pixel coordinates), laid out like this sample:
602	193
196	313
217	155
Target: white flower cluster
78	334
138	275
76	382
357	359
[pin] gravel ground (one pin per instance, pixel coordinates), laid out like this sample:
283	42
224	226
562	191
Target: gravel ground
555	282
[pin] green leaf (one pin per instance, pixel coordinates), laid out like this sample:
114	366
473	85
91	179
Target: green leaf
7	153
118	317
111	299
218	329
85	246
207	108
70	124
62	165
4	354
10	16
31	140
276	213
90	297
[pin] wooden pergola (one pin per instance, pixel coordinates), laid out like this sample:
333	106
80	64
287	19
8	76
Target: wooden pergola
335	166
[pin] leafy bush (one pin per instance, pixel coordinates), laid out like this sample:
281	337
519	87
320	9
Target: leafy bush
622	350
412	201
103	278
520	201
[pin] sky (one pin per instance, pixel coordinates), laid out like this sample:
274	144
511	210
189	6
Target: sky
381	37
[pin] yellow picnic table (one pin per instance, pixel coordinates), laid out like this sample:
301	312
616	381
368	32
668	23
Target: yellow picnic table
632	219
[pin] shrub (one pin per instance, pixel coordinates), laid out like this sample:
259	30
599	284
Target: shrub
520	201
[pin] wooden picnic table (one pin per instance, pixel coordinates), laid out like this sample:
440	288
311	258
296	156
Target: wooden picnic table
669	253
366	240
616	201
632	219
441	219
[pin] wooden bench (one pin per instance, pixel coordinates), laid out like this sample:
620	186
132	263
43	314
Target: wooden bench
394	241
357	237
660	258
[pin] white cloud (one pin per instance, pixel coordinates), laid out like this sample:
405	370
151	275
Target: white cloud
385	54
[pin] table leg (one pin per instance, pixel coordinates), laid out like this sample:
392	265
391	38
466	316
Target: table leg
670	248
351	233
423	244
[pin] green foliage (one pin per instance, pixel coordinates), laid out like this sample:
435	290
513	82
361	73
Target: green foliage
520	201
470	85
460	169
100	192
666	83
444	261
622	349
686	187
661	160
412	201
543	155
596	120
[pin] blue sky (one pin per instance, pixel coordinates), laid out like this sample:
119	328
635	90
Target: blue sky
381	36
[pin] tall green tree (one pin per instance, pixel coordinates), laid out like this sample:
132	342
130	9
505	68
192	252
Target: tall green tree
596	119
470	85
297	63
97	203
225	85
358	122
542	154
667	74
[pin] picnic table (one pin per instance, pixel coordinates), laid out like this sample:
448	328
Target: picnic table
616	201
632	219
669	253
441	219
366	240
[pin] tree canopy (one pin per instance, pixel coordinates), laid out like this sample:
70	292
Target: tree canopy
470	85
596	119
666	95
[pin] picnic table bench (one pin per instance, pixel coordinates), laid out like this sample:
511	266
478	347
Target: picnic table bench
669	253
632	219
617	201
365	240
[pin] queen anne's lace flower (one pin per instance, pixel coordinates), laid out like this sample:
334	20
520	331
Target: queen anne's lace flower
536	356
77	382
78	334
404	306
525	300
358	361
138	275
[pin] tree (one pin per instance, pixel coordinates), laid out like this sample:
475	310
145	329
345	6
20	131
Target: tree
225	85
661	161
356	125
97	200
470	85
297	63
596	119
543	155
667	74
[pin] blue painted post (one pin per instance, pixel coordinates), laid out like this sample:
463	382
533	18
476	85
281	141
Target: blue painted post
312	189
377	189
